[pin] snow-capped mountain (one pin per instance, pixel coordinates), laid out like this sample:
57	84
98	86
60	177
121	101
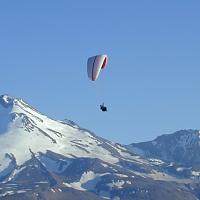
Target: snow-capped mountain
182	147
41	158
178	154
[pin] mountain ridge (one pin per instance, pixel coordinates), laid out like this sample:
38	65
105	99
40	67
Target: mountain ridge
42	158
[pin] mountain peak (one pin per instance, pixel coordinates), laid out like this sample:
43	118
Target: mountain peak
182	147
7	100
41	155
29	128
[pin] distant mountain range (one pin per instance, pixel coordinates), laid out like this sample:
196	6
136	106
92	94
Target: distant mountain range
176	154
46	159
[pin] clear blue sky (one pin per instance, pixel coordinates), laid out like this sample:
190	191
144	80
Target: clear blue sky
151	85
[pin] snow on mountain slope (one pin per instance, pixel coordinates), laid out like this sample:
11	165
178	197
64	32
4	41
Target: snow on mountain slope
177	153
46	157
180	147
24	131
23	128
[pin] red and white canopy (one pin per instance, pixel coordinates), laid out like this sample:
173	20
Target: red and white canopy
95	64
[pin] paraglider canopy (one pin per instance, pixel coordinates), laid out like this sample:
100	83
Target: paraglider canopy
95	64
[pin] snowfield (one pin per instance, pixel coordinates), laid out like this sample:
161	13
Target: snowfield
41	156
23	130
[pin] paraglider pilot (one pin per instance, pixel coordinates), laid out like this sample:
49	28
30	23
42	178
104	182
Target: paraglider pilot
103	108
